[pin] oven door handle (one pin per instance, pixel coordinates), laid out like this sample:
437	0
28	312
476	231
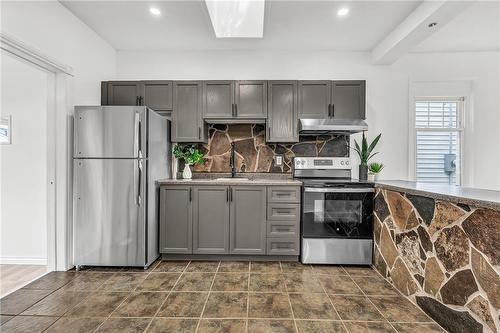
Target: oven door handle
339	190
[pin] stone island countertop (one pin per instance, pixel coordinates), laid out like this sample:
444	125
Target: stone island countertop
465	195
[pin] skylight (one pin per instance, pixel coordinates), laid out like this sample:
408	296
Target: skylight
237	18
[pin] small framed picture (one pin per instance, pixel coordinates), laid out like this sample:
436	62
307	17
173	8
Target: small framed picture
5	130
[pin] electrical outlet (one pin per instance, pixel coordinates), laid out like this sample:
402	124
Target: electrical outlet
278	160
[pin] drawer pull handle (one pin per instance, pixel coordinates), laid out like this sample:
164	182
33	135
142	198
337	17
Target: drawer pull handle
281	194
283	229
282	246
283	211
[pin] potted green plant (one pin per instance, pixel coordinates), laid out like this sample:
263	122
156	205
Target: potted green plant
191	155
365	153
373	171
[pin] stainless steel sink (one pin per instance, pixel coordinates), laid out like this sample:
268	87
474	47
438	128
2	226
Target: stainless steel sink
228	179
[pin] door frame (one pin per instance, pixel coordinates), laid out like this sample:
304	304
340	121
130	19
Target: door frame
59	149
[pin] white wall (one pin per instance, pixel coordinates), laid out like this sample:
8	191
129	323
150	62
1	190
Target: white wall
23	164
387	90
56	33
52	29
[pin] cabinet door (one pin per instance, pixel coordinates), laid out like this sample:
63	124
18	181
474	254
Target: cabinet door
123	92
348	99
157	95
187	123
176	219
218	99
211	219
251	99
282	112
248	220
314	99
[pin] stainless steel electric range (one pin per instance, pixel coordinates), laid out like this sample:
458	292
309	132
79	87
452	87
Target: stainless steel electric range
337	212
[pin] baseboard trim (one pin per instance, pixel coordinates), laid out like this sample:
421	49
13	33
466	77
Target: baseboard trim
22	261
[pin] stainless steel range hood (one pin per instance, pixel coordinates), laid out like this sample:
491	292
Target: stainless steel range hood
331	125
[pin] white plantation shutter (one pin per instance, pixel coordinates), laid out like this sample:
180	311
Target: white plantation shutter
438	133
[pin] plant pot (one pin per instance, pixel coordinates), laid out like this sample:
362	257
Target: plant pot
363	172
186	173
371	177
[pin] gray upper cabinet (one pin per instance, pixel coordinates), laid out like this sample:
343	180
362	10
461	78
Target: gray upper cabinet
187	122
123	93
250	98
348	99
248	220
157	95
218	99
282	123
211	220
331	99
314	99
176	219
234	99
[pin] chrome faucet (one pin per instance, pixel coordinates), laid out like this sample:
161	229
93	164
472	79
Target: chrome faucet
232	163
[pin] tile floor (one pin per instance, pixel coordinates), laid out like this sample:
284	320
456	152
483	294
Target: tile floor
175	296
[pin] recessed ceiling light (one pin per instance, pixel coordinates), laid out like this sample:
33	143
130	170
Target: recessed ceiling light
154	11
433	24
343	11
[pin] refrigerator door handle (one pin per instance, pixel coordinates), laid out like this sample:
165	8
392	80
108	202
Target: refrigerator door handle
137	126
138	174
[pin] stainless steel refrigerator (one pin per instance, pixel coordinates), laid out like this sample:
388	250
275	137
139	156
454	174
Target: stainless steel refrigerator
119	153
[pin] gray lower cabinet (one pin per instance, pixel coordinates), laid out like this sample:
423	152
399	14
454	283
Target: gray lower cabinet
248	220
238	220
187	120
282	121
210	220
348	99
176	219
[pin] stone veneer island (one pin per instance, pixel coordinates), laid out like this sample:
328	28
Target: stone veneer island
441	248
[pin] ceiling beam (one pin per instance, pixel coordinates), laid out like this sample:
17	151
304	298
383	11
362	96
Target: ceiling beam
415	28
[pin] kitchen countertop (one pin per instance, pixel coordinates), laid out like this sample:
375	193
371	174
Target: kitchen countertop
465	195
214	179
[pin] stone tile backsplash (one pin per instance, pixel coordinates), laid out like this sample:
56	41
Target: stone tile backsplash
445	256
253	154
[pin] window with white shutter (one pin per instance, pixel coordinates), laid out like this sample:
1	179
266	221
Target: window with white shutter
438	141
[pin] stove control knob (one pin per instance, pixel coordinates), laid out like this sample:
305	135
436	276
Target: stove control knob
346	162
341	162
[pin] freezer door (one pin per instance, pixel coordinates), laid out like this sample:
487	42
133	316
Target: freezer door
110	131
109	212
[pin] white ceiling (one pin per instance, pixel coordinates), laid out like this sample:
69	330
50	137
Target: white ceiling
298	25
288	25
477	28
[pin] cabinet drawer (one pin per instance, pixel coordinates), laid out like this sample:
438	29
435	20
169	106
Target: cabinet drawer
283	246
283	212
282	229
283	194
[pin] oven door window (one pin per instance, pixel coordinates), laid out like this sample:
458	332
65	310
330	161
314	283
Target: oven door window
337	215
